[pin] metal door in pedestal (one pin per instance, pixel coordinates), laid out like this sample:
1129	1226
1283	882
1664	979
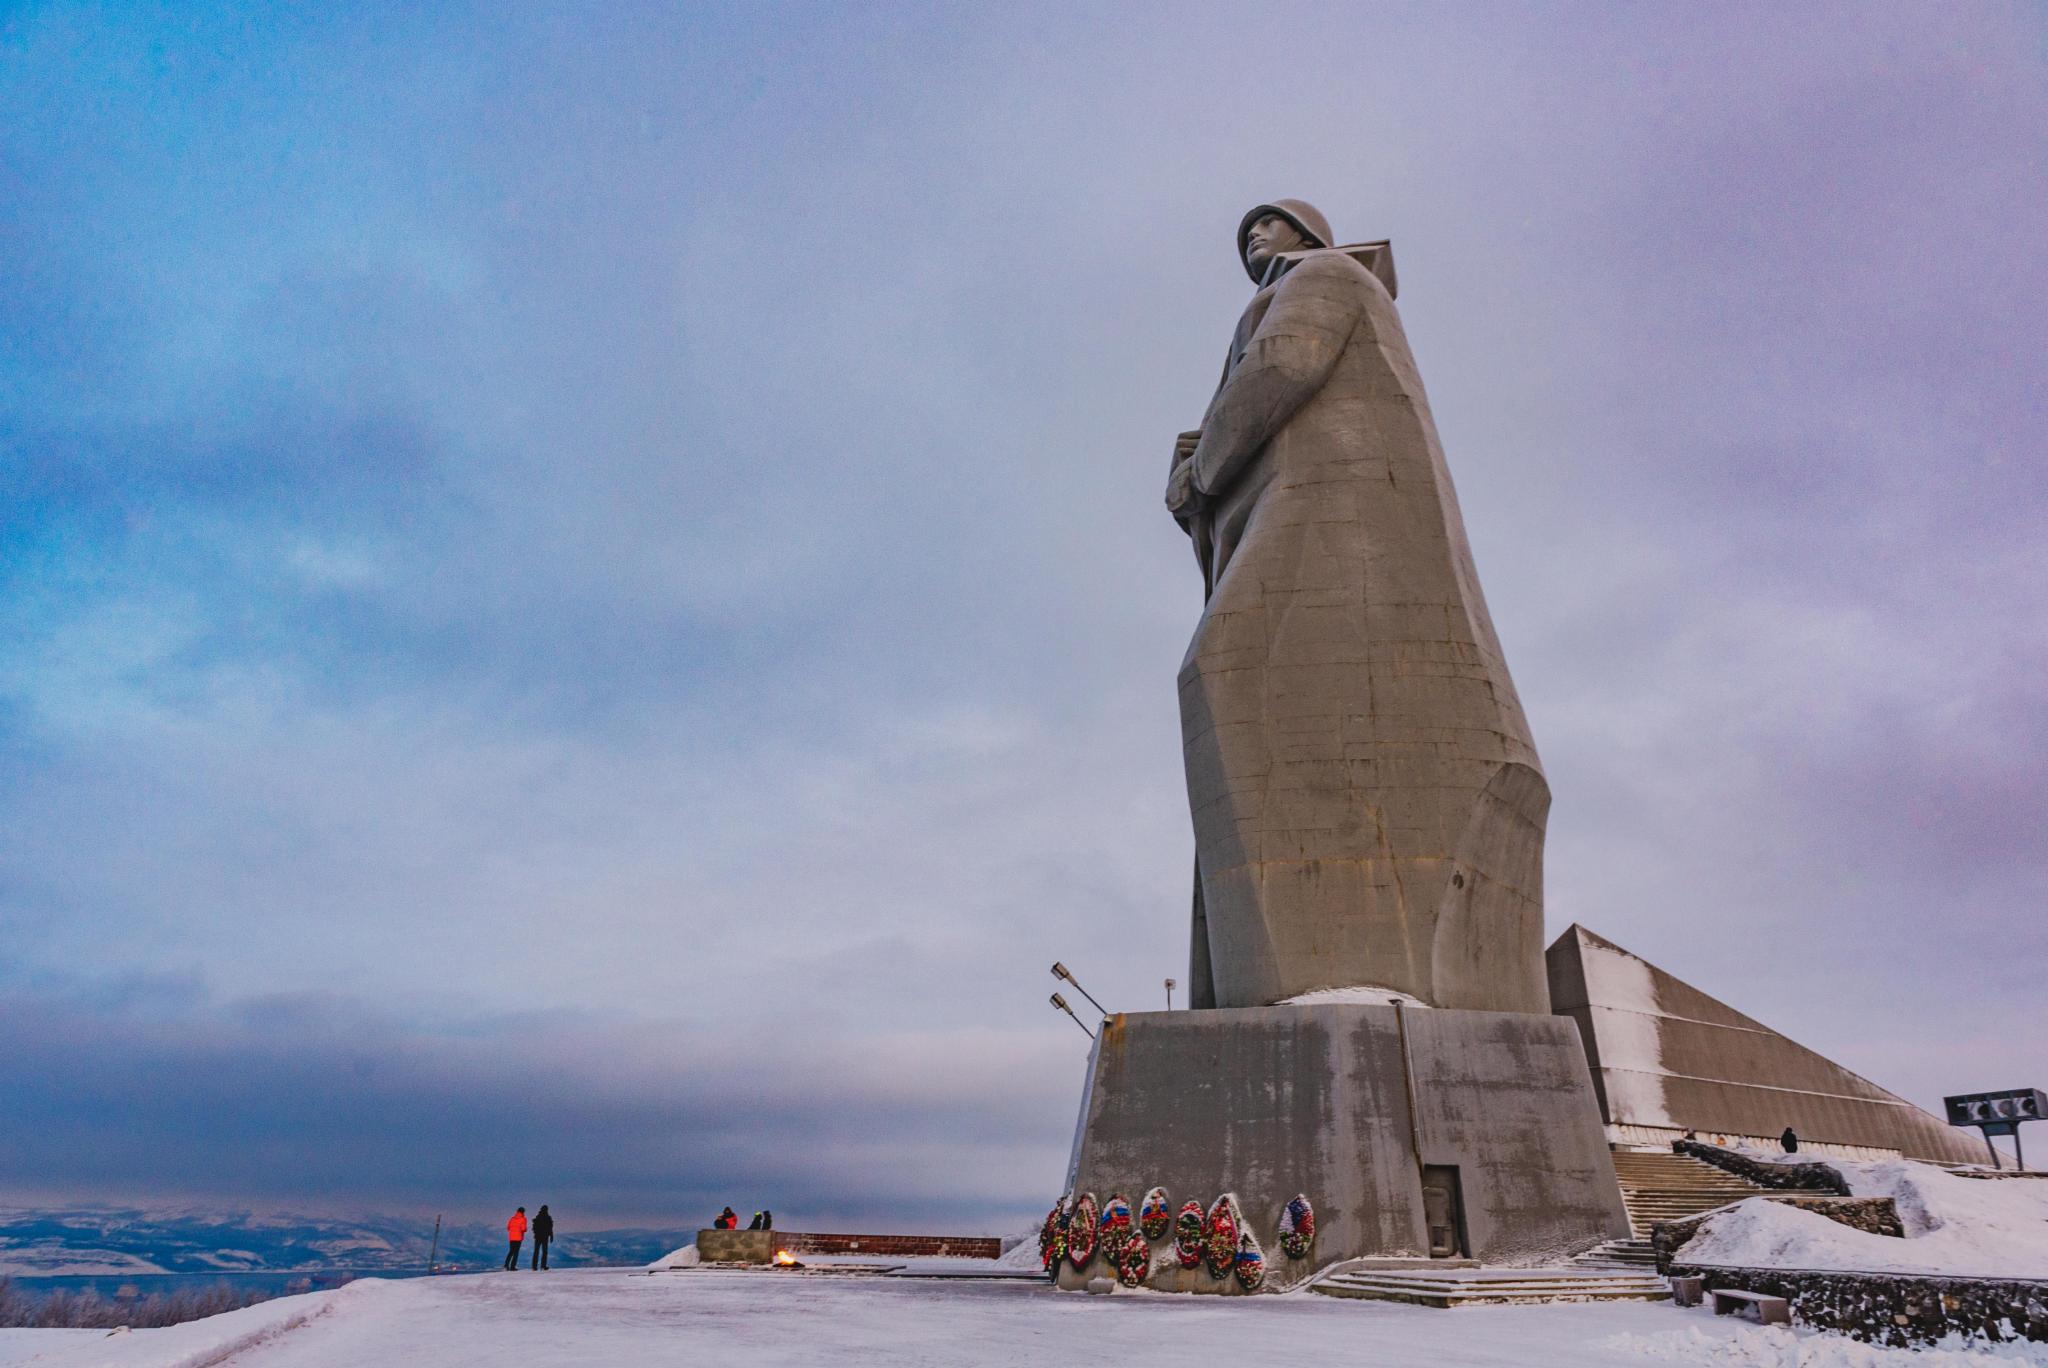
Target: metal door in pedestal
1443	1211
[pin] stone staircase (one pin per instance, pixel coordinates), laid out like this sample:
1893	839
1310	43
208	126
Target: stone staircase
1618	1256
1661	1186
1493	1286
1655	1186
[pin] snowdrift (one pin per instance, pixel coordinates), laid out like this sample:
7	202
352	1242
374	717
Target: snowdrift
1967	1227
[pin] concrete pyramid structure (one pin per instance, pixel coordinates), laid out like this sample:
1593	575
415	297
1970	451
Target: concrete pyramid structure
1666	1058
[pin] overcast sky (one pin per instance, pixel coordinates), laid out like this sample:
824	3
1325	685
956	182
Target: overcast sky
585	606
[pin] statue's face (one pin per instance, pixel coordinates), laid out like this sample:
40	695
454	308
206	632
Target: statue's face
1268	238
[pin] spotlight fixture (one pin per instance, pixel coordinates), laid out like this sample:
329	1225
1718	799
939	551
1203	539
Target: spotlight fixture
1061	1003
1060	971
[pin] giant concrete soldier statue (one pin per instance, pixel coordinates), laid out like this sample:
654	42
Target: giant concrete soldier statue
1367	801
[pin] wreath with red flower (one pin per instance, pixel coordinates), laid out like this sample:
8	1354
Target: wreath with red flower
1155	1217
1052	1236
1297	1227
1115	1229
1081	1232
1135	1262
1189	1234
1223	1231
1250	1264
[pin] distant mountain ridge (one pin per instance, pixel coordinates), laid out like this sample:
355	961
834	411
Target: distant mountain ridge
49	1241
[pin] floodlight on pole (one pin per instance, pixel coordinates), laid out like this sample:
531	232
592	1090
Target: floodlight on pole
1061	1003
1060	971
1170	985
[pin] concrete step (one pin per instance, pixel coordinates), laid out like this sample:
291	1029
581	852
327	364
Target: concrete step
1670	1187
1497	1287
1631	1256
1692	1195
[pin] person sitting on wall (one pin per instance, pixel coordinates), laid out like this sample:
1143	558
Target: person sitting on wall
755	1224
767	1220
728	1219
1789	1141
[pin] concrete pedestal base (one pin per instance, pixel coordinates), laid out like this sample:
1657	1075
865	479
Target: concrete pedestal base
1268	1102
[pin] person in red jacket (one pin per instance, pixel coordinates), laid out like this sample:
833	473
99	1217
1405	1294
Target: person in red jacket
515	1229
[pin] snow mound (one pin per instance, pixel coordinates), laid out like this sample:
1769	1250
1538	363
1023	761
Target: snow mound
1368	994
686	1257
1024	1254
1777	1347
213	1340
1974	1227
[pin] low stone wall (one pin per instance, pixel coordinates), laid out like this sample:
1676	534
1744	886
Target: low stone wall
1897	1309
1799	1176
761	1246
1873	1215
894	1246
1661	1138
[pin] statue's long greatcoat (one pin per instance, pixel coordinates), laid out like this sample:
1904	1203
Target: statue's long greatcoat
1367	800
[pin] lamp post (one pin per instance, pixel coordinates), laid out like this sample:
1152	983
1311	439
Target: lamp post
1169	994
1061	1003
1060	971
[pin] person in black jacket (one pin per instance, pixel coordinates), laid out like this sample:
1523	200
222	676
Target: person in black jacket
767	1220
1789	1141
543	1235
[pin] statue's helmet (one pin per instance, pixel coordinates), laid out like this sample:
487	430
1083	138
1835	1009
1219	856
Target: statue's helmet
1306	218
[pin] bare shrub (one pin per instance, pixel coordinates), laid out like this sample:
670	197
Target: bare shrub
71	1309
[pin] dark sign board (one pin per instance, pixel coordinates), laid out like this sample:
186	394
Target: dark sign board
1997	1113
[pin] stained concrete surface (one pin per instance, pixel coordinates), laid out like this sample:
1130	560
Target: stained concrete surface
1666	1056
1270	1102
1367	800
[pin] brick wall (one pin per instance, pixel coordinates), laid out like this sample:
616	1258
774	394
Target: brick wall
891	1246
760	1246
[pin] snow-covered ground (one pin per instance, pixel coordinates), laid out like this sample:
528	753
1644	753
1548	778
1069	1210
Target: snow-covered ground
1991	1228
618	1319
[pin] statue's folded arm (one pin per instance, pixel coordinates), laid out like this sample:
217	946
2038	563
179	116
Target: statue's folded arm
1315	308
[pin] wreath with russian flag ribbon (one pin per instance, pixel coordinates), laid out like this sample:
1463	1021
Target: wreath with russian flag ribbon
1115	1229
1297	1227
1155	1217
1250	1264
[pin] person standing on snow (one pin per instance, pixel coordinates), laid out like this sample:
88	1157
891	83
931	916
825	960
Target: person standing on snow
515	1230
543	1236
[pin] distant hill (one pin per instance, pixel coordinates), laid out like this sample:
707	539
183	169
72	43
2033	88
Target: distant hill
114	1240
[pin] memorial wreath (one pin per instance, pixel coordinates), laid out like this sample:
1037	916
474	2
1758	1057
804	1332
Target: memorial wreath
1081	1232
1297	1227
1114	1231
1188	1233
1250	1264
1223	1230
1135	1262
